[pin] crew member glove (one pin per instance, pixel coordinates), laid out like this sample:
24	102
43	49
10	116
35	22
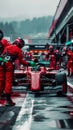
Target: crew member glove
32	63
2	59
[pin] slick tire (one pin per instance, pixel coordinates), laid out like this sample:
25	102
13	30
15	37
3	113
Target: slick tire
60	78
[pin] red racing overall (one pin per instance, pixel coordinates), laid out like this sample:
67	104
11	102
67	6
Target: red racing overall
51	57
70	62
14	52
11	53
5	43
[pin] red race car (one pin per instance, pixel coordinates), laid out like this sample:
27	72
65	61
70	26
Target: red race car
41	78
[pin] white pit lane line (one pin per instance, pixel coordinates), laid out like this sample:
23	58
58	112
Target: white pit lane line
69	93
69	84
24	118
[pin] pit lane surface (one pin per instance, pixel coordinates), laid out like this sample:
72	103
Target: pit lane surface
45	112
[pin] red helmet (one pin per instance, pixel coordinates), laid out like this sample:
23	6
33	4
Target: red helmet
56	51
1	34
19	42
51	48
5	42
36	60
65	48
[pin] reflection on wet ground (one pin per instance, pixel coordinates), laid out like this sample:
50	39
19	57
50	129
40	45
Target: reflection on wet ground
52	113
45	112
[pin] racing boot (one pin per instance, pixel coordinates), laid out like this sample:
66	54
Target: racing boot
2	96
9	101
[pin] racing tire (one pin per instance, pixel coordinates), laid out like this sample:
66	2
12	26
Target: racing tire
61	79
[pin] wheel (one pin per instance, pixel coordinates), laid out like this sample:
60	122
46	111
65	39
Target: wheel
61	79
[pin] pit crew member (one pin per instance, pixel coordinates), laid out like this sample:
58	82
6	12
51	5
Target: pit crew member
12	53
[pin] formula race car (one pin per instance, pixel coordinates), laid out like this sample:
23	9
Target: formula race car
41	78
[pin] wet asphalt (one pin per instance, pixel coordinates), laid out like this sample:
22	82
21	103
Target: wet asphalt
32	112
52	113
